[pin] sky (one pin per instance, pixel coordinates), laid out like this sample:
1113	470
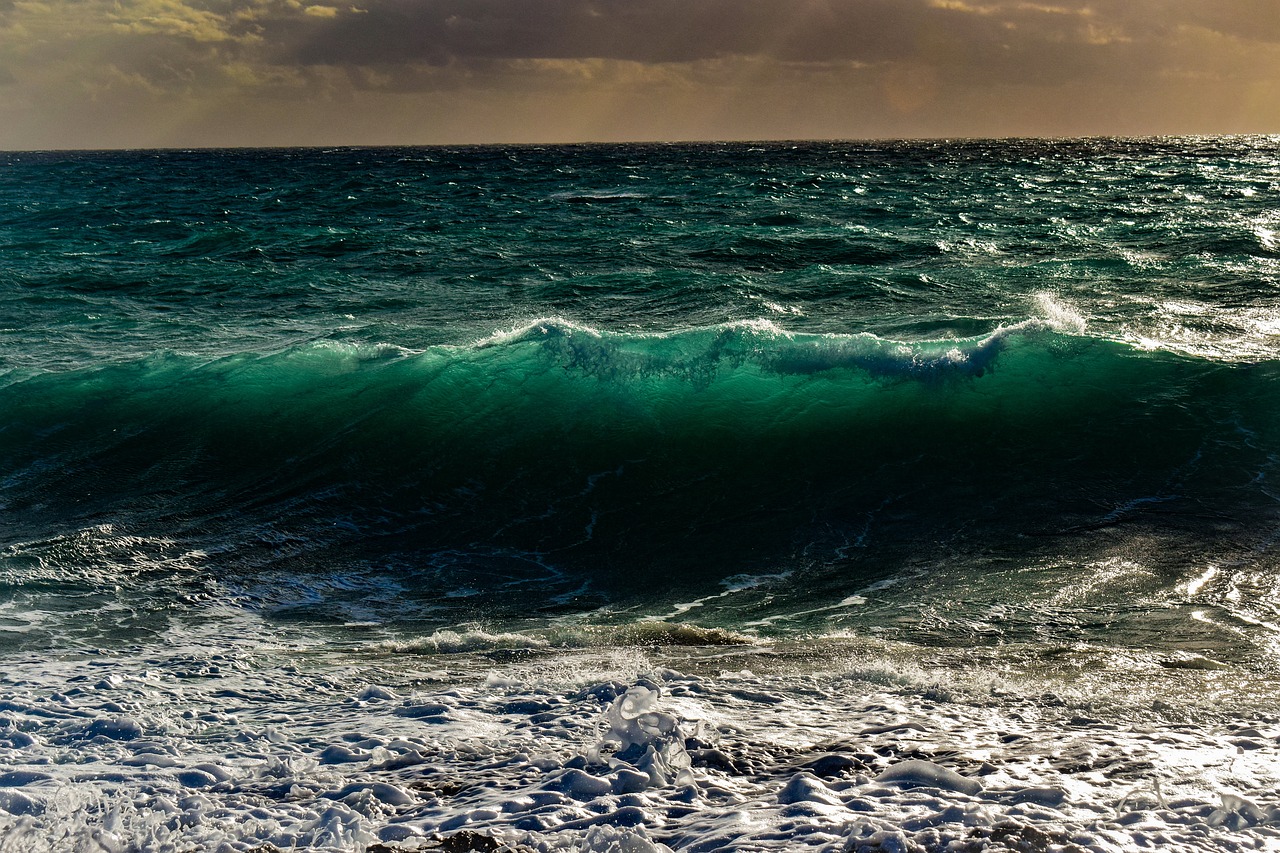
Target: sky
184	73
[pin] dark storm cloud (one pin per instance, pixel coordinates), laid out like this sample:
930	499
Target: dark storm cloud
440	31
969	42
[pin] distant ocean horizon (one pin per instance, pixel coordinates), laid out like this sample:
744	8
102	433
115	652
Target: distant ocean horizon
848	496
768	142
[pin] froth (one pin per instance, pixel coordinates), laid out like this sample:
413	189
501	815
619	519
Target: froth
253	750
1060	315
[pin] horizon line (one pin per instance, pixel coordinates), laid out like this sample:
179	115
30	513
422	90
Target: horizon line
652	143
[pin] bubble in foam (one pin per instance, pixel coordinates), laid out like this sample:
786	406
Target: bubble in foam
609	839
920	773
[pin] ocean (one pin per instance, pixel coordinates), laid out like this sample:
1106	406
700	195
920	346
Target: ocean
843	496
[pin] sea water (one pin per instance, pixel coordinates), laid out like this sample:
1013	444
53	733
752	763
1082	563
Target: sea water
899	496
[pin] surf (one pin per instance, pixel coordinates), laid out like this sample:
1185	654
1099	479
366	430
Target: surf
738	444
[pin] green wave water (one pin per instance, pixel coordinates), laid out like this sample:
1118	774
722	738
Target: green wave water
642	458
613	369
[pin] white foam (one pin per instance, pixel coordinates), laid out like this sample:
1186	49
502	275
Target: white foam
646	737
916	772
1193	586
201	743
449	641
541	327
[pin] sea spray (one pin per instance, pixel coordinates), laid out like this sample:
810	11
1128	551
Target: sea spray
643	736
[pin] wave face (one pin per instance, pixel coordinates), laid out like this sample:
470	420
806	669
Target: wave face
635	459
834	359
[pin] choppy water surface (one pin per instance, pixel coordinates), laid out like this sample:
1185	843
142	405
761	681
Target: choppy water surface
897	496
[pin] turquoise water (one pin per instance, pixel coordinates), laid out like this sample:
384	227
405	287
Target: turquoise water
1021	396
620	365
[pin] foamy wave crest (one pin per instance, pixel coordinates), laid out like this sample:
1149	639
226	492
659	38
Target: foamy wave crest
647	634
465	640
890	359
452	642
701	354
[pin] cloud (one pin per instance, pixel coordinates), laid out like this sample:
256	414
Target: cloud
651	31
998	41
171	18
609	68
969	41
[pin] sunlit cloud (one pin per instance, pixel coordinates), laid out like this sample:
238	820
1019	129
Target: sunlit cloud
170	18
